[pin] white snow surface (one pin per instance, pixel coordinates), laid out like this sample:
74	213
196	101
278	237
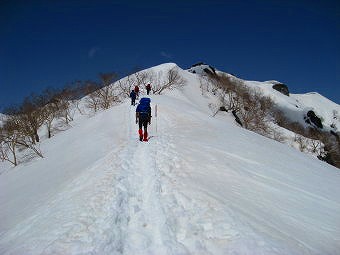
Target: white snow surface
201	185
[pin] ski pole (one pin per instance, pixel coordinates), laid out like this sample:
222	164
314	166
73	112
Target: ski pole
156	116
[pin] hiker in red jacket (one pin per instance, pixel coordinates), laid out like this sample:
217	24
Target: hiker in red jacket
137	91
148	88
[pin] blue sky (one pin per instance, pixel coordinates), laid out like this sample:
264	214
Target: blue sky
50	43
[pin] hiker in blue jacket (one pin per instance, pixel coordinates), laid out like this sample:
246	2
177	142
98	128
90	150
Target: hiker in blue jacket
133	97
143	117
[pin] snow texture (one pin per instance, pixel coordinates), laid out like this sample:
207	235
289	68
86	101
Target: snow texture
201	185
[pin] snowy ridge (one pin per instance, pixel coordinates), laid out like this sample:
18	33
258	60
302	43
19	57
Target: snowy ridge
295	106
201	185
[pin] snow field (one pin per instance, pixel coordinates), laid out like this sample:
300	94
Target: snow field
200	185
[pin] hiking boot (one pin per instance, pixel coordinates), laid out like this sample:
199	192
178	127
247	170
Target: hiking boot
140	132
145	137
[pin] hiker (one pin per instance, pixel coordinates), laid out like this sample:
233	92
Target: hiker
137	91
133	97
148	88
143	118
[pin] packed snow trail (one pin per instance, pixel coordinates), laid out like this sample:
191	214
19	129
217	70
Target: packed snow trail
142	221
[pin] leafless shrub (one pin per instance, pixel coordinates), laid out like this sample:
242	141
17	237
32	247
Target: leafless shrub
106	93
31	117
250	107
64	102
232	91
126	85
49	110
316	146
49	114
12	139
277	135
8	144
106	97
332	149
92	100
142	78
253	109
103	94
325	145
173	80
64	111
302	142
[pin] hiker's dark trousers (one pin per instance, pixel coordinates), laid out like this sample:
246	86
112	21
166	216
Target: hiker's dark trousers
143	122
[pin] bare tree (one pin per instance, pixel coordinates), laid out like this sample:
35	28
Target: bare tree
302	142
31	117
231	93
126	85
316	146
63	102
13	137
50	109
253	109
142	78
49	112
91	100
8	143
173	80
106	93
106	97
64	112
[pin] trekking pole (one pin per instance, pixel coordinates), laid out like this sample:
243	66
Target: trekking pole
156	116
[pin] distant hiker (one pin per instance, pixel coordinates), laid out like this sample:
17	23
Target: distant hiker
137	91
148	88
133	97
143	117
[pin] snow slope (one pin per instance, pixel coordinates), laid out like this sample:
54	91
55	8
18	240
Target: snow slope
296	106
201	185
322	106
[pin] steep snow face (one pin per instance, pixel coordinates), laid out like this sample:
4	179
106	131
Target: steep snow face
201	185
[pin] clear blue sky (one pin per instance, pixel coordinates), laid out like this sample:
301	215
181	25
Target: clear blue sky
49	43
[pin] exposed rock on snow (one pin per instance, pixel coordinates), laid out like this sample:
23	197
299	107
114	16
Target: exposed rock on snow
202	69
281	88
313	120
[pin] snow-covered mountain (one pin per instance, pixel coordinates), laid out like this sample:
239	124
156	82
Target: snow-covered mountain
294	106
201	185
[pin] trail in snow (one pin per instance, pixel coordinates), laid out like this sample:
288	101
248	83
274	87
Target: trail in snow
156	216
142	222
